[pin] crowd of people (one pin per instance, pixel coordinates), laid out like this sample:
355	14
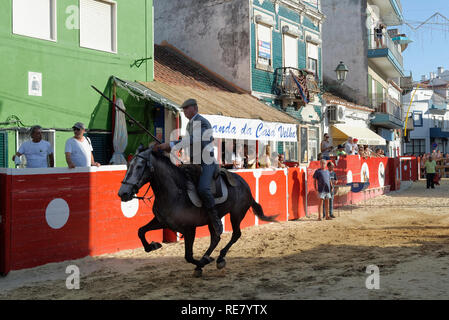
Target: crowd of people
350	147
39	154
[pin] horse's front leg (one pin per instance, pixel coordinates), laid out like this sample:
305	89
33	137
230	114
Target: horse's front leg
152	225
189	238
214	240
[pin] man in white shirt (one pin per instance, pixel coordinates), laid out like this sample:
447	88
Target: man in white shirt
350	147
78	149
38	152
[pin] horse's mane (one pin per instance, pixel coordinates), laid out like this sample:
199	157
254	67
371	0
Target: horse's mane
174	171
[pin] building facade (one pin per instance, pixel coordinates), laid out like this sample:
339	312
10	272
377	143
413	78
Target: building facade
374	57
428	106
53	51
257	45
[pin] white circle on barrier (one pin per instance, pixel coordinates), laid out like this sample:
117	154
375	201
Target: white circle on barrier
364	173
273	187
381	174
57	213
130	208
349	177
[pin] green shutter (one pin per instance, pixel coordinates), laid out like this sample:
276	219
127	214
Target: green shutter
102	145
3	149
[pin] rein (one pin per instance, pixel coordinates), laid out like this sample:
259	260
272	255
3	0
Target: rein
135	189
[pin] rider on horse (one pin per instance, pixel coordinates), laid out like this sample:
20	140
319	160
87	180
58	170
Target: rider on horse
199	138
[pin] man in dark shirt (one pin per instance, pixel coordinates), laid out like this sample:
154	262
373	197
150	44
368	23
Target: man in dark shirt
323	186
333	181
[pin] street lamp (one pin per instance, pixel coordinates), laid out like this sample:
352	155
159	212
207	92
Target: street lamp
341	71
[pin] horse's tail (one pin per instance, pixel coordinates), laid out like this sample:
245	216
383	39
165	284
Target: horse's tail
258	211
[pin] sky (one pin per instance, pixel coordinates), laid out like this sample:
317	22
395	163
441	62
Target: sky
430	47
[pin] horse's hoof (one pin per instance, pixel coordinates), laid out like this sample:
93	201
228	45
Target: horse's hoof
152	246
197	273
205	260
221	263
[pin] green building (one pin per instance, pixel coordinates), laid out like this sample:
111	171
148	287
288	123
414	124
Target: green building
51	52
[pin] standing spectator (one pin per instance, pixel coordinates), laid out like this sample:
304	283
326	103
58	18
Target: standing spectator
326	147
322	184
265	160
341	150
333	181
378	34
351	146
38	152
430	172
238	158
78	149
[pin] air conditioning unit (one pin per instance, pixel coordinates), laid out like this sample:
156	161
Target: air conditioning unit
336	114
340	113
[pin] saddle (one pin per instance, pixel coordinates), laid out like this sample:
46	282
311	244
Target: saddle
219	185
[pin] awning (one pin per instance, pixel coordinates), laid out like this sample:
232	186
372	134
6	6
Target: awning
141	92
340	133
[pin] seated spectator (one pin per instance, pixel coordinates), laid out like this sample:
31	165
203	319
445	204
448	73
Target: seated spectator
281	161
265	160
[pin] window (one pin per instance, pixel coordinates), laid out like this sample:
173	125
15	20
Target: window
98	25
102	145
415	146
304	145
312	57
264	40
35	18
313	144
290	52
290	151
24	135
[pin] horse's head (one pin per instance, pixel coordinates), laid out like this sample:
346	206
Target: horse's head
138	174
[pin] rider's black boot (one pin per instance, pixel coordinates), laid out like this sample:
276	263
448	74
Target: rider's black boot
216	222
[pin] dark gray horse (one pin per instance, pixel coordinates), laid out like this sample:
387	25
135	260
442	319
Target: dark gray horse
173	209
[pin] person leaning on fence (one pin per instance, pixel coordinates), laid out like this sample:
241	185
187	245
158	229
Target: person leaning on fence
326	147
430	172
38	152
321	178
78	149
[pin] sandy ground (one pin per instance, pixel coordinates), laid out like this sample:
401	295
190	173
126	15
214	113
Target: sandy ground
404	233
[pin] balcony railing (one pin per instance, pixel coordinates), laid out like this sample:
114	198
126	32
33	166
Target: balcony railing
286	87
383	43
386	105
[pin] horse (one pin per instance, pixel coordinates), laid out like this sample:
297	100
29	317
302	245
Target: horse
173	209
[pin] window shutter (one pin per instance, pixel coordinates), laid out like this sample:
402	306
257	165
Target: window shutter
33	18
312	51
290	52
3	149
97	30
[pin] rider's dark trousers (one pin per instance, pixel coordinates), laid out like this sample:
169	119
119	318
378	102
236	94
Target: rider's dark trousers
204	190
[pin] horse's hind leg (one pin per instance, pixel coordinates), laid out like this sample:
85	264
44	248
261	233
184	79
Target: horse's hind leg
189	238
152	225
236	233
214	240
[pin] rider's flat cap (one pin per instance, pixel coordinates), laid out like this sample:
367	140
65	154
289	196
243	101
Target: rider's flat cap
188	103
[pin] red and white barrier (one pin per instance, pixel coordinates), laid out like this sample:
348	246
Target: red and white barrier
57	214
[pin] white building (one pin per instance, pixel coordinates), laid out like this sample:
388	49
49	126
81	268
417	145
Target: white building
429	113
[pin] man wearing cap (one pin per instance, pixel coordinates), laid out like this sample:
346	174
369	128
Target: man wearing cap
351	146
78	149
199	142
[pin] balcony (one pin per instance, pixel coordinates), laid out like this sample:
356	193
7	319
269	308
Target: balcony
287	90
438	133
390	11
388	112
438	109
386	55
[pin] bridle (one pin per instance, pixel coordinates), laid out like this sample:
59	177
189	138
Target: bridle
134	186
